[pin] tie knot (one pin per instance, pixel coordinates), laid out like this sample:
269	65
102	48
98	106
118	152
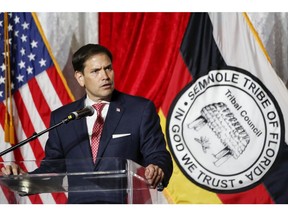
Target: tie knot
98	107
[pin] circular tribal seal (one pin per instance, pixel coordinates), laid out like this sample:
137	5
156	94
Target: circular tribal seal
224	130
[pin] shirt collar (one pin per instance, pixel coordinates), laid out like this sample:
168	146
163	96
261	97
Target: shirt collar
89	102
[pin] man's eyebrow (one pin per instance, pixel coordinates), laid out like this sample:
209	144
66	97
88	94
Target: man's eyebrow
99	68
110	65
96	69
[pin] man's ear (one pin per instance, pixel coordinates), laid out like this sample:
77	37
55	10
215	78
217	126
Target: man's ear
79	76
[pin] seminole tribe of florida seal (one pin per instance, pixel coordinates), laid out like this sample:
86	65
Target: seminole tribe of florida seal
224	130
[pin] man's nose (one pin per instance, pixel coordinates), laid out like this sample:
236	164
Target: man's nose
103	73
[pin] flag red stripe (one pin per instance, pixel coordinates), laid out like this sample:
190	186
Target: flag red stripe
7	193
39	101
59	86
60	198
28	129
10	197
2	110
255	195
35	199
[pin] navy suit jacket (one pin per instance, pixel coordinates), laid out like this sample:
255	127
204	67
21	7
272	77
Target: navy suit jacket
126	115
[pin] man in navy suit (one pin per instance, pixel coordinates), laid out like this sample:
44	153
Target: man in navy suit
131	126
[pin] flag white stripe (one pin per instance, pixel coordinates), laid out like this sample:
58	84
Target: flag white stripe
47	198
254	62
24	200
4	146
26	151
34	116
48	90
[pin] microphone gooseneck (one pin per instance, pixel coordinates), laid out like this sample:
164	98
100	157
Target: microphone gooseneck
86	111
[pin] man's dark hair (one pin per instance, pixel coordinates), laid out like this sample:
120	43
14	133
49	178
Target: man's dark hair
85	52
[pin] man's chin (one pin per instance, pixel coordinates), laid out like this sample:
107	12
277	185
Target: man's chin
107	94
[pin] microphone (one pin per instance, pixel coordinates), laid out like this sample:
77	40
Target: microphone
86	111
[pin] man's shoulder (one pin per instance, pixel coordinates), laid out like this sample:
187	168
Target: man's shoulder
135	103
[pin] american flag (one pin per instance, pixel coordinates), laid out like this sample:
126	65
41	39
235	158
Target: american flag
37	87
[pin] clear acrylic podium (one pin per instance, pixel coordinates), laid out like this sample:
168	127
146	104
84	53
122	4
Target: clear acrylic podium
109	180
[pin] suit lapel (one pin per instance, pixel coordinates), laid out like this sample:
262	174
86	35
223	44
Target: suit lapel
115	112
82	134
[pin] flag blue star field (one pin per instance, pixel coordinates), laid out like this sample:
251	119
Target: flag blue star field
31	86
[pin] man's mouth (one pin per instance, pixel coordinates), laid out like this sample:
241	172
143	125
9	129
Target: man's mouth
107	85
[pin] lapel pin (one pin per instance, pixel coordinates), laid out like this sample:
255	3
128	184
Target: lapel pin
118	109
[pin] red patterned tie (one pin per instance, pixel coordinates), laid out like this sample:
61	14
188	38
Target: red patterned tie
97	130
